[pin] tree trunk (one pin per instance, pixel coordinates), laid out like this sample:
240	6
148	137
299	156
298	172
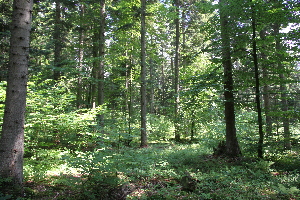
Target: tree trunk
79	94
129	96
283	90
232	146
101	63
266	89
193	126
144	142
93	85
163	90
57	41
151	98
257	85
4	44
176	71
12	137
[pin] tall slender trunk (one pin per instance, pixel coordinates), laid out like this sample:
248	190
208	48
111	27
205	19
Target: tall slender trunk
151	99
283	90
163	90
266	88
79	94
257	85
176	71
193	125
12	136
129	98
57	41
92	99
144	142
232	146
101	63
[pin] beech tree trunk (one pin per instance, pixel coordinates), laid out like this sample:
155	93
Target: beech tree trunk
12	137
232	145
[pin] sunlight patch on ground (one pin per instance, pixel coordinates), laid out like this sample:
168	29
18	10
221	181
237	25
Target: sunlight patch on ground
64	169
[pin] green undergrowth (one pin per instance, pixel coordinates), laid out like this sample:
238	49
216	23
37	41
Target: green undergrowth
69	156
157	172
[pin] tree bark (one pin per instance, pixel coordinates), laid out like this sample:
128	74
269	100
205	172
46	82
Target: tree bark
92	99
232	146
162	108
129	95
12	137
101	63
4	44
257	86
283	90
266	89
144	142
151	98
57	41
176	71
79	94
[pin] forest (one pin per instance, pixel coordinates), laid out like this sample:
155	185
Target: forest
149	99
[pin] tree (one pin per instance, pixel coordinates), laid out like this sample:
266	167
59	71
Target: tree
79	93
232	146
176	70
143	76
57	37
4	38
280	59
12	137
257	84
283	88
101	62
266	88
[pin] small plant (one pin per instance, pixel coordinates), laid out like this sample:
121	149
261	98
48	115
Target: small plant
286	192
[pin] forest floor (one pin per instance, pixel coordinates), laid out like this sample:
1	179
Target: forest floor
161	171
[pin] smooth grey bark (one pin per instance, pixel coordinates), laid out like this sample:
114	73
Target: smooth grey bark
144	142
12	136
